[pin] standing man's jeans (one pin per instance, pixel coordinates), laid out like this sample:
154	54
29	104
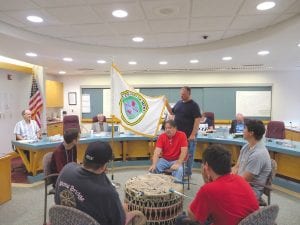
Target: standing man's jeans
190	161
163	164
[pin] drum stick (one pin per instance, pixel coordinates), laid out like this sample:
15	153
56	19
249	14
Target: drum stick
179	193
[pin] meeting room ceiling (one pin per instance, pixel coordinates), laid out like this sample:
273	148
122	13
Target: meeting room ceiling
174	31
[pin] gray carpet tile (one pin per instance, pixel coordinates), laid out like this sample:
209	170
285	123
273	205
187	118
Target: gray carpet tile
26	206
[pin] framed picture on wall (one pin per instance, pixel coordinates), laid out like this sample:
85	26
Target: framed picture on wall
72	98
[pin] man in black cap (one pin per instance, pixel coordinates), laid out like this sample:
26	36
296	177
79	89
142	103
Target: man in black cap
88	189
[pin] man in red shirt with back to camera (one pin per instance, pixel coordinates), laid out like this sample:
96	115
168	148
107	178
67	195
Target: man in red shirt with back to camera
225	198
171	146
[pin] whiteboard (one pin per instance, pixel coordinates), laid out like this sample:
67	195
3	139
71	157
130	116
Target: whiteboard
254	103
86	103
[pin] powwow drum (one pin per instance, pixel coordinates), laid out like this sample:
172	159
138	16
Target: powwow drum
151	194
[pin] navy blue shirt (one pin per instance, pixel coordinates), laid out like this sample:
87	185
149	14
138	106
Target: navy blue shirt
91	193
185	115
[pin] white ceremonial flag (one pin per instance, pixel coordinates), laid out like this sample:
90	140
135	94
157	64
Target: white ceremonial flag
137	112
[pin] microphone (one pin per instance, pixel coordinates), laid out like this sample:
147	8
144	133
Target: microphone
171	190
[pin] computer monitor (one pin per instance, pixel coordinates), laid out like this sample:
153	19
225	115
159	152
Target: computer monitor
109	128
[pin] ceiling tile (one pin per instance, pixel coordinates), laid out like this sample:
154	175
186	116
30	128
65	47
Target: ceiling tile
105	11
172	39
21	17
167	9
249	7
294	8
232	33
7	19
215	8
58	3
55	31
134	28
74	15
93	29
16	5
176	25
252	22
197	37
210	23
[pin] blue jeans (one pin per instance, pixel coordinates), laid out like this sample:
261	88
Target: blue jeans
163	164
190	161
183	219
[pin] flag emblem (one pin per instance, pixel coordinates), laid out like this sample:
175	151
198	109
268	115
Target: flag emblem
133	107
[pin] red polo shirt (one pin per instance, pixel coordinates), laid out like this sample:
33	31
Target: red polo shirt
171	147
227	200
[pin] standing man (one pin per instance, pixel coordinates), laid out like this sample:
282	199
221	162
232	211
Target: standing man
172	147
27	129
187	118
254	163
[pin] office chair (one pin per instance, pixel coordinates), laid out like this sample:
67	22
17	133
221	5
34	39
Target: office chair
211	116
95	119
64	215
71	121
263	216
48	179
275	129
268	185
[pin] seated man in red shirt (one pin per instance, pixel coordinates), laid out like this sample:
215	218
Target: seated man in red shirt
226	198
66	152
171	146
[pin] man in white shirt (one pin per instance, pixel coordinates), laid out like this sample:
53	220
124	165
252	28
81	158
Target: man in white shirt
27	129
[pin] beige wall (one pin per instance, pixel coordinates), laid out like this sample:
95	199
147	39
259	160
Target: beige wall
286	87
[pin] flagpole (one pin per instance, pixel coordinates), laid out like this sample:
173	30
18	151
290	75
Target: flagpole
112	146
112	129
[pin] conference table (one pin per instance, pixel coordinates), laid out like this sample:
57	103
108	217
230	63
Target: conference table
126	146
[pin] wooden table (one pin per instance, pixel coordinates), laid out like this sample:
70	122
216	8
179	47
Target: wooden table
5	179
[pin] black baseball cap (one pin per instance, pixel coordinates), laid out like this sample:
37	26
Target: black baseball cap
98	152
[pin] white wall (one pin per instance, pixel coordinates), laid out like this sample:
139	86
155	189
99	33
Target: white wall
14	96
286	87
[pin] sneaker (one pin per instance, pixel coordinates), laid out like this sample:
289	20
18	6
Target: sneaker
51	192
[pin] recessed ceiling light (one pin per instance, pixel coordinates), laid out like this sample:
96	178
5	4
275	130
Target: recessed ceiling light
119	13
35	19
264	52
227	58
67	59
265	5
138	39
299	45
132	63
101	61
163	62
194	61
31	54
62	72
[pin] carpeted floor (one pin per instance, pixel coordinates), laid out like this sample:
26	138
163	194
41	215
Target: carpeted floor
18	171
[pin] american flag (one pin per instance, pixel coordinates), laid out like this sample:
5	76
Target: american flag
35	102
